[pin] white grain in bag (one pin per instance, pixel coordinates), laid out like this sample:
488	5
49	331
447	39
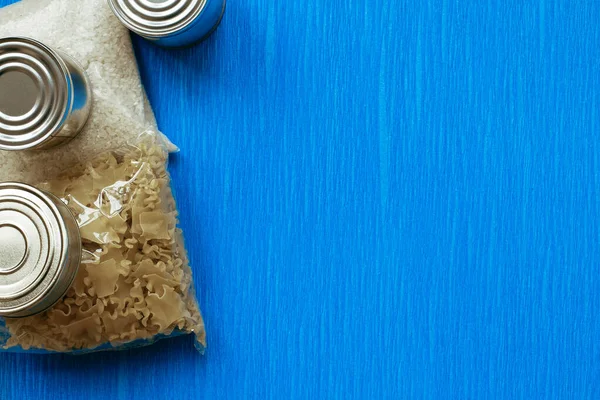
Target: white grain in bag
88	32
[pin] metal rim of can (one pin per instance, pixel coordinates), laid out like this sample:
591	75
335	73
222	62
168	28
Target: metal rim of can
40	250
158	18
30	59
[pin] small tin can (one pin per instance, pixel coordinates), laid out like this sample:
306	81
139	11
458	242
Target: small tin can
170	23
40	250
45	95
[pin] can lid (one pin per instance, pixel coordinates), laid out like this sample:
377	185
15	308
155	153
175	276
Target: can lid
34	93
34	250
156	18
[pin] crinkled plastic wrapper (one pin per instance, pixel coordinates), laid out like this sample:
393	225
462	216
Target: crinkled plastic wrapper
88	32
134	284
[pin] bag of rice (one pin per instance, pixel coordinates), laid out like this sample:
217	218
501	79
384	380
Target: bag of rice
87	31
132	283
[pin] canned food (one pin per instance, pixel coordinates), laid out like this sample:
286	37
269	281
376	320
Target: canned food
170	23
45	95
40	250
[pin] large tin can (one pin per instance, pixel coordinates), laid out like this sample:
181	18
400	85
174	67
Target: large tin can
40	250
45	95
170	23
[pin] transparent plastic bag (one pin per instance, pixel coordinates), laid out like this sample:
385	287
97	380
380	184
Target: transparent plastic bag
134	284
88	32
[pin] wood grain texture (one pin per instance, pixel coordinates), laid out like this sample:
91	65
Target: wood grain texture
391	199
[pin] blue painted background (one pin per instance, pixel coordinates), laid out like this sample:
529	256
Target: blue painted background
390	199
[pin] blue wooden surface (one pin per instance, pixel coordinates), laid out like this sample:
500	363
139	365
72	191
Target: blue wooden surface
390	199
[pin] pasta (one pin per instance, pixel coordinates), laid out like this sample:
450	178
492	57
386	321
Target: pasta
135	281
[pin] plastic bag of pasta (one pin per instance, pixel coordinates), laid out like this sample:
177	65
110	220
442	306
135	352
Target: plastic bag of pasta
90	254
93	259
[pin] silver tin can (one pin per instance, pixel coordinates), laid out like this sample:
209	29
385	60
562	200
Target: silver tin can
45	95
40	250
170	23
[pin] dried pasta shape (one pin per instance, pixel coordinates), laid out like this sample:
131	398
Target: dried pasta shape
61	317
119	325
157	284
79	288
84	329
147	267
102	278
156	225
98	228
166	309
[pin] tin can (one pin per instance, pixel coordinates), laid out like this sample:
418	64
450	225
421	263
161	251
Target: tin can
40	250
170	23
45	95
